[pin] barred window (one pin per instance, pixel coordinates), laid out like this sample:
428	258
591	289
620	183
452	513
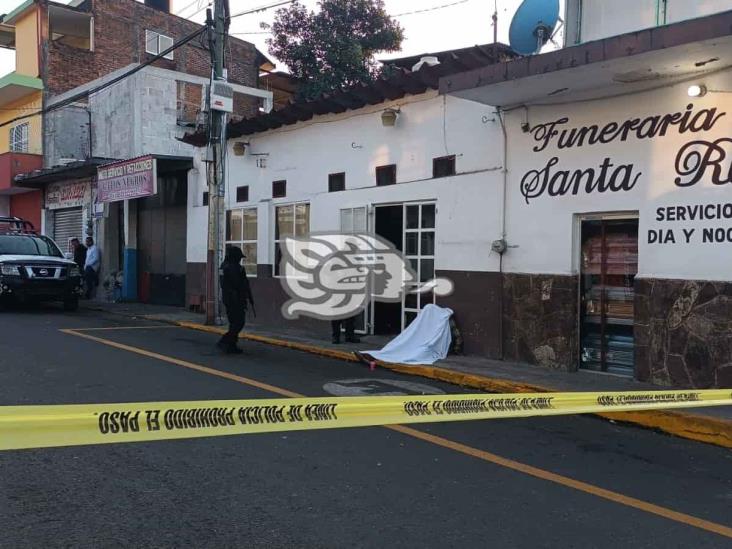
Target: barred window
19	138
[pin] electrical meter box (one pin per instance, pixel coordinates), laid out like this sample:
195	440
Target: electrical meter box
222	97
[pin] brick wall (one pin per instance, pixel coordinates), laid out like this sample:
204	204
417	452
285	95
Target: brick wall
119	39
189	101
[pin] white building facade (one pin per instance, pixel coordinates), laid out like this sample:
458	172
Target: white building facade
357	144
619	202
602	170
428	184
588	20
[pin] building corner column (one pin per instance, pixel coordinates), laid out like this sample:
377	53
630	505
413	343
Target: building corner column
129	282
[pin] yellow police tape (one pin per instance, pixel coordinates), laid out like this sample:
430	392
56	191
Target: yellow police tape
79	424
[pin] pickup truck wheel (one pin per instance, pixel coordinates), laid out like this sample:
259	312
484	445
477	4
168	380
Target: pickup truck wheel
71	304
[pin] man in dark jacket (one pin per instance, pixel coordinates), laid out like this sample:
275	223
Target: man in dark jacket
236	295
350	326
79	253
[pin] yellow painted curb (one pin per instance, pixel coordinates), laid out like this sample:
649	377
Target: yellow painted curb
715	431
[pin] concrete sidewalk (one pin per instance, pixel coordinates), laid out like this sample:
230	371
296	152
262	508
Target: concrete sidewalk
712	425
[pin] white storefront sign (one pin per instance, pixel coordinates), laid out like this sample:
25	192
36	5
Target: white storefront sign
657	153
136	178
68	194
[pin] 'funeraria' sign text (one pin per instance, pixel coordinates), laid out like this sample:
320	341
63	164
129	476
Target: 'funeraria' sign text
693	161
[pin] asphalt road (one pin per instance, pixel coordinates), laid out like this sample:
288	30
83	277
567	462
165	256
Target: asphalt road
567	481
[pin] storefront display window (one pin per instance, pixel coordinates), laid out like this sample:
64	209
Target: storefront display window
609	266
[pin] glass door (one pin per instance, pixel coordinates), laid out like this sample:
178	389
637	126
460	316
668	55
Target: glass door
609	265
354	220
419	250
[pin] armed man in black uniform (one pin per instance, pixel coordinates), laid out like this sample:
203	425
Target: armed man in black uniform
236	295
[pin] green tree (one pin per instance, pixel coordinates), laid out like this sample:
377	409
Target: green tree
335	46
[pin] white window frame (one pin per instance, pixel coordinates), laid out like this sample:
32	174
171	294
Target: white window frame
251	268
348	220
356	221
419	256
157	38
19	138
278	241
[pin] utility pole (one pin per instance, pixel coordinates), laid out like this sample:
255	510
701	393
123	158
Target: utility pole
495	22
218	26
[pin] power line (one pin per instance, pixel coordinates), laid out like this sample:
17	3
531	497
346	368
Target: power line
262	8
87	93
434	8
186	7
199	10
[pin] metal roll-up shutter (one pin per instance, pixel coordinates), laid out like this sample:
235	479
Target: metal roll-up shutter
67	224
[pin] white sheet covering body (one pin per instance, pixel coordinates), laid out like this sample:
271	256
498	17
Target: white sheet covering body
425	341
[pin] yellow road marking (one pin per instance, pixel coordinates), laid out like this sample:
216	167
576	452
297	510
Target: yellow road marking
529	470
186	364
567	481
108	328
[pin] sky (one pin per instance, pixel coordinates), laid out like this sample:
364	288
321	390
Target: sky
449	24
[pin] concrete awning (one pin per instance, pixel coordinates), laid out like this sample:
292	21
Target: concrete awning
15	86
88	168
73	170
12	17
622	64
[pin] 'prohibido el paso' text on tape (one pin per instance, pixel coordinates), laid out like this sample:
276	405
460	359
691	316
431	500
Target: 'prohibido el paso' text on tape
80	424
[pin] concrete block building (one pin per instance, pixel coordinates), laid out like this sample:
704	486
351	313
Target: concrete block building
98	114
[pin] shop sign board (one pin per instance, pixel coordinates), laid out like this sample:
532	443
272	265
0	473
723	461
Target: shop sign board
666	158
68	194
698	159
130	179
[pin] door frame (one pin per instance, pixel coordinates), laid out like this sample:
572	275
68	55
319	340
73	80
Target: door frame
579	218
371	225
367	313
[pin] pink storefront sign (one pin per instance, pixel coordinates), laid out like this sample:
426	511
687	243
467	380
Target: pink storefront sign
127	180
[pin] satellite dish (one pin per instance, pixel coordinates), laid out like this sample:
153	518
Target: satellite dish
533	25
